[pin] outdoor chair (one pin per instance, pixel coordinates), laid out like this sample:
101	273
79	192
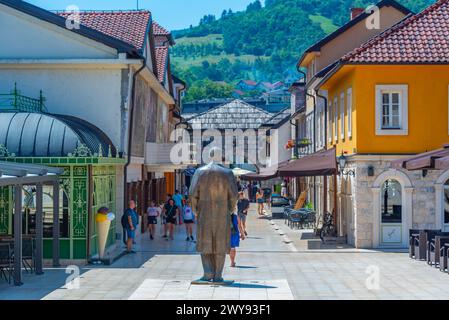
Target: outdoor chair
444	257
6	261
420	243
310	220
287	211
434	245
413	233
28	253
296	219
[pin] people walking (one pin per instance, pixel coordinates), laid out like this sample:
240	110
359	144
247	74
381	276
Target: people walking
153	212
164	220
132	221
171	213
189	220
242	210
260	201
236	235
284	189
178	198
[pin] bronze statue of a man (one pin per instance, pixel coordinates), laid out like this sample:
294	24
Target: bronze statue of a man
213	195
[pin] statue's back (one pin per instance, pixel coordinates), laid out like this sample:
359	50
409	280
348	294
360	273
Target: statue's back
213	195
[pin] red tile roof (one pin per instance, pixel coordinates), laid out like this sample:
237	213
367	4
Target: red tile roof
250	82
128	26
158	30
161	61
422	38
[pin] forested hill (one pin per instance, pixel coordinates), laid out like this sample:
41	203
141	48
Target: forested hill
262	43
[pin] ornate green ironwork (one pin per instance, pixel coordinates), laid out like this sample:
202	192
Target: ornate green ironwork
79	209
103	195
14	101
75	184
81	151
4	210
4	153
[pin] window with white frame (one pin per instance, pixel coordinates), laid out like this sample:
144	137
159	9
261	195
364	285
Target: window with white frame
349	111
336	118
342	115
391	110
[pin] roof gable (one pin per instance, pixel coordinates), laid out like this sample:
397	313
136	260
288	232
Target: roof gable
59	21
130	27
236	114
361	17
422	38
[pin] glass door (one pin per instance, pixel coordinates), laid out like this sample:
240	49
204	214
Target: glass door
391	229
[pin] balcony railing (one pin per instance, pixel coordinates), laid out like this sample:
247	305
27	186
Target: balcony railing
14	102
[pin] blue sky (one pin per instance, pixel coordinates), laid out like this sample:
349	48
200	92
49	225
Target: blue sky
172	14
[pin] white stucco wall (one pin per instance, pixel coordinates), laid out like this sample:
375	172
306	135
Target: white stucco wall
284	134
90	94
23	36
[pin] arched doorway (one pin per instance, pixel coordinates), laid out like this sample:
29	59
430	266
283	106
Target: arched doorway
442	202
392	208
391	213
445	213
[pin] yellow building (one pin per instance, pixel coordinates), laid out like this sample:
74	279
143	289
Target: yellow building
387	99
318	60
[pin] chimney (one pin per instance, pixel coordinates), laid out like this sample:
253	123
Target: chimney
355	12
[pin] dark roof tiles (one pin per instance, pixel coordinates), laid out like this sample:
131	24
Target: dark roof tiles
422	38
128	26
161	61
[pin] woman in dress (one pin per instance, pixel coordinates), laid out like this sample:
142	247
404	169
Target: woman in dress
236	234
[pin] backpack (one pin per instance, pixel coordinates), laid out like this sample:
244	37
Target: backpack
124	220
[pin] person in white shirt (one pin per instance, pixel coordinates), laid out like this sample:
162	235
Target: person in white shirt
189	219
153	212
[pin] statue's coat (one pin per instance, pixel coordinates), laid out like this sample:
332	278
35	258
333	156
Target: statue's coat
213	194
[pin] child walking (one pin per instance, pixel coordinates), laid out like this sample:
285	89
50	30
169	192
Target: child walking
153	213
189	219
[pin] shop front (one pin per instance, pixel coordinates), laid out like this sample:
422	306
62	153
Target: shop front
88	182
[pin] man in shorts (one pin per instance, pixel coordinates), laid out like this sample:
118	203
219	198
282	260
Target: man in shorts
131	227
242	210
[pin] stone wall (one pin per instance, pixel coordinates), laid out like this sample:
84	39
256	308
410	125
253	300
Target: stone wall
423	199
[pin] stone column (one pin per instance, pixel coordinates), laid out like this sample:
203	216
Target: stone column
376	216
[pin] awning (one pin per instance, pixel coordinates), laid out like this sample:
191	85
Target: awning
435	159
322	163
267	173
238	172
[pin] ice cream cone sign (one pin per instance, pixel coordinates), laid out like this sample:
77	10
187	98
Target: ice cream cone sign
103	219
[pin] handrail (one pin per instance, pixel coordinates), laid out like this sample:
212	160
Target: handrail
14	101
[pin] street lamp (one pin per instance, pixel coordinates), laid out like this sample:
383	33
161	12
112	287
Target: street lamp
342	160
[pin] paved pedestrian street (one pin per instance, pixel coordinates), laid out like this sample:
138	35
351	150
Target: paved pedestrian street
270	265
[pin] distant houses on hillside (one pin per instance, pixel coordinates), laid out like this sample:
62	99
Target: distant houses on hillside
270	92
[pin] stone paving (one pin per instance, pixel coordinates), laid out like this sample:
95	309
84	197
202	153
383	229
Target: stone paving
269	266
